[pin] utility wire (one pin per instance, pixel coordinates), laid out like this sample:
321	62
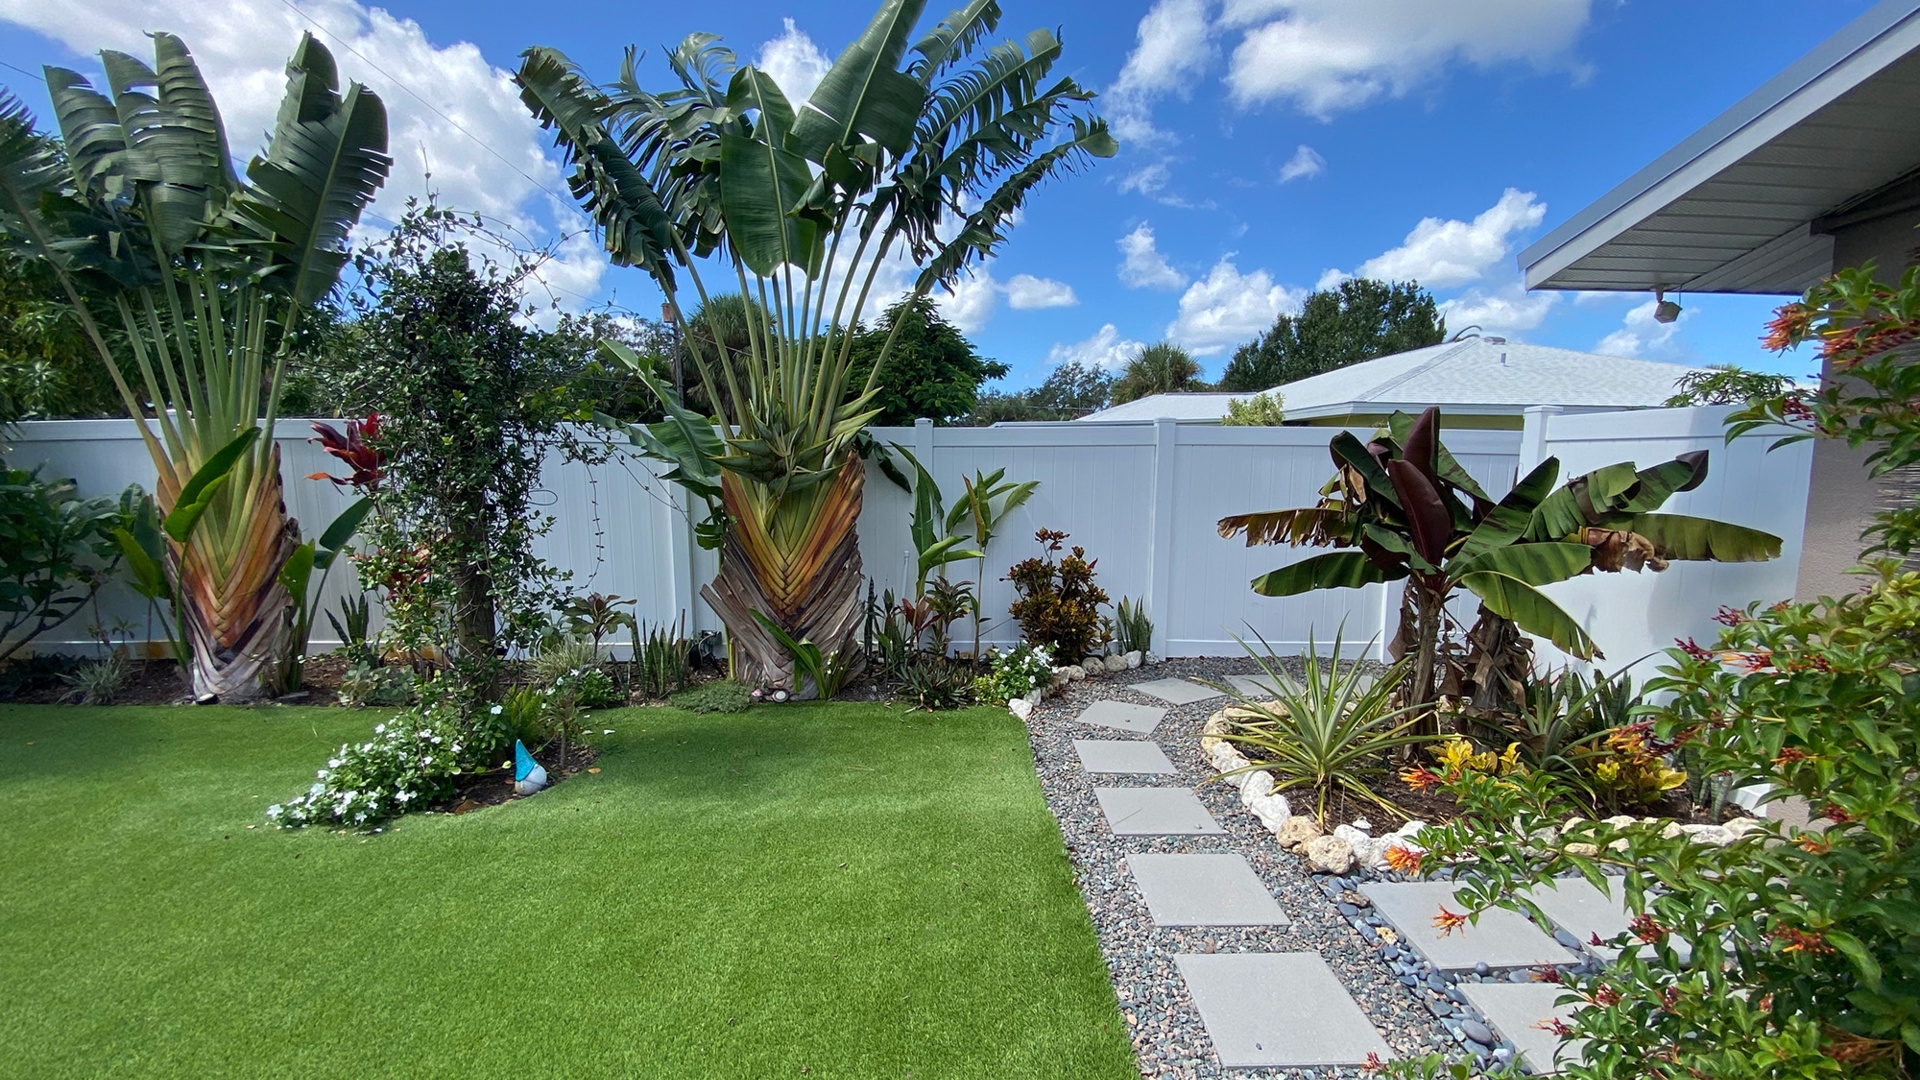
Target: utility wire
30	74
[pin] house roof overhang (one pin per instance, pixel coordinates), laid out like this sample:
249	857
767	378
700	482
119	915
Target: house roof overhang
1749	203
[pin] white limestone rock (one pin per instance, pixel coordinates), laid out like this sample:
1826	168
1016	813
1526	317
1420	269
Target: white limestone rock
1329	855
1273	811
1740	827
1134	658
1020	707
1093	665
1115	663
1717	835
1255	785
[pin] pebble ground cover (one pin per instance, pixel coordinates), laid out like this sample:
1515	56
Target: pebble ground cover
833	891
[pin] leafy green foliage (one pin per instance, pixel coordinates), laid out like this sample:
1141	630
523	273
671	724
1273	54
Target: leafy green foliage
934	682
1059	605
1359	319
1132	628
725	696
932	371
929	523
1014	673
1161	368
409	763
1261	410
471	404
367	684
826	673
56	550
1071	390
1727	384
661	657
1329	732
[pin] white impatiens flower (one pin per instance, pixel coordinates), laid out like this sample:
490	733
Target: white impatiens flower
334	763
497	710
320	775
275	811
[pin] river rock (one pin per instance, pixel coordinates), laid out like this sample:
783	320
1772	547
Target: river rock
1134	658
1115	663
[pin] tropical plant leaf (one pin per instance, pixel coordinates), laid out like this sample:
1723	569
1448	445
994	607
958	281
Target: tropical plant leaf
341	530
762	182
1332	570
864	94
1535	564
196	495
1320	526
1531	610
1679	536
1429	519
1507	522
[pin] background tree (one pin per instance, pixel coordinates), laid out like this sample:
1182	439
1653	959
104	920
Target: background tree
47	366
1727	384
1261	410
933	370
1161	368
1072	390
1358	319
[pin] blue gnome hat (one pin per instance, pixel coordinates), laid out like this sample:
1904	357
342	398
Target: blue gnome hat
528	775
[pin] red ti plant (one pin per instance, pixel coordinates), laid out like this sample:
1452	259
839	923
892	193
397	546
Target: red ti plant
356	448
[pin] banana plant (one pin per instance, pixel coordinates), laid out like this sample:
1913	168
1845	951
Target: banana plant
932	549
915	148
1401	508
138	211
297	577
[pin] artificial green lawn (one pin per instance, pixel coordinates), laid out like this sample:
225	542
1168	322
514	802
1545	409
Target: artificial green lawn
831	891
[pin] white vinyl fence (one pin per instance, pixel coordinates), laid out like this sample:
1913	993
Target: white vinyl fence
1142	498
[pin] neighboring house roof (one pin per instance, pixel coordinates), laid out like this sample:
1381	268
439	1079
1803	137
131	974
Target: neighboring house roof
1747	204
1477	376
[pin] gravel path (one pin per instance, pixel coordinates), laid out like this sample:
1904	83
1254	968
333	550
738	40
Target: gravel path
1167	1034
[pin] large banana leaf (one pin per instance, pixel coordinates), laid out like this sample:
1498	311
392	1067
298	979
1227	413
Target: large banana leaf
1507	521
1315	525
1679	536
1332	570
762	181
949	41
1528	608
1534	564
1429	519
324	162
864	95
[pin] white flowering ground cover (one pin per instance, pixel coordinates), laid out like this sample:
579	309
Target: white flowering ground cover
839	891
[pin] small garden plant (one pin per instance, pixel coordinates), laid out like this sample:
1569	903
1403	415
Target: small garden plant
1014	673
1059	605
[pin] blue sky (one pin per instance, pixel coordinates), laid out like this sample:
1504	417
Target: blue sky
1268	145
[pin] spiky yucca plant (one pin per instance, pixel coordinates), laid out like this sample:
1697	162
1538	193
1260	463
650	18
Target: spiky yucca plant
138	211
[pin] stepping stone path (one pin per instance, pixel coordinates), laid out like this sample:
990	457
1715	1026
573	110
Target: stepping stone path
1278	1009
1256	687
1500	939
1155	811
1176	691
1573	905
1260	1009
1516	1011
1125	715
1123	756
1204	890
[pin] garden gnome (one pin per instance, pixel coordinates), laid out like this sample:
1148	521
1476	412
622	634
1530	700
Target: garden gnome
528	775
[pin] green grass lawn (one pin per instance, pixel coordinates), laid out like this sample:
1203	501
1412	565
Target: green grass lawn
837	891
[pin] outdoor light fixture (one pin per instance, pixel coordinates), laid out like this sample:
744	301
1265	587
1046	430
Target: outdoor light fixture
1665	311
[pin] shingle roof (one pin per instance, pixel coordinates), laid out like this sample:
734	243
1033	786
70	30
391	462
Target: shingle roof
1475	375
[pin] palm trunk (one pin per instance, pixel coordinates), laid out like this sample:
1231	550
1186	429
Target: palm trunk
796	560
234	610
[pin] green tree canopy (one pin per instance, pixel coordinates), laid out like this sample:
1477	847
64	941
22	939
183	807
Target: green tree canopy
1074	389
1161	368
1359	319
933	371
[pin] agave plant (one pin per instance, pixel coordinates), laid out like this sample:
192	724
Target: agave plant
910	149
1413	514
139	213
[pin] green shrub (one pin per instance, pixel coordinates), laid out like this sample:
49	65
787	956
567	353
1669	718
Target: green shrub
934	682
592	688
366	684
409	763
1014	673
1133	630
56	550
1059	604
561	655
714	697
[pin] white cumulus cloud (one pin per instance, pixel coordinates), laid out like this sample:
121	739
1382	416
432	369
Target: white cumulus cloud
795	62
1106	349
1328	56
1508	309
1440	253
970	305
1227	307
1142	266
1027	293
1174	48
1305	164
1147	179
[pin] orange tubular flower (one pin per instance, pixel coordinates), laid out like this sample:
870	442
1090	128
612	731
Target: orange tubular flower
1788	327
1647	929
1447	921
1806	941
1420	778
1555	1025
1404	860
1373	1063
